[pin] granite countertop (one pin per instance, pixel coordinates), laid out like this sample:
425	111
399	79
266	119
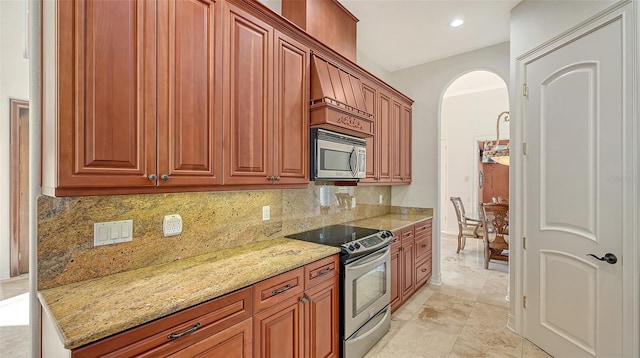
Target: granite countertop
91	310
391	221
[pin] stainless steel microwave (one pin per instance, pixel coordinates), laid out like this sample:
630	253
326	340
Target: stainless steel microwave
336	156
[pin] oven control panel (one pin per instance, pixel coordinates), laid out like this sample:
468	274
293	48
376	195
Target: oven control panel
369	243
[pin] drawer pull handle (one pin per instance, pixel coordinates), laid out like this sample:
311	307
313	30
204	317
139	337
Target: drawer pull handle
395	240
325	271
424	245
280	290
190	330
424	270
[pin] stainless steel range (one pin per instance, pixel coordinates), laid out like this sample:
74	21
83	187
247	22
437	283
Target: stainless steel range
365	314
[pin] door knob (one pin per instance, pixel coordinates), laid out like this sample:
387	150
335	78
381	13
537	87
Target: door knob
608	257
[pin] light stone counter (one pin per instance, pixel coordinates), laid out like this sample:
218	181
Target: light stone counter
391	221
91	310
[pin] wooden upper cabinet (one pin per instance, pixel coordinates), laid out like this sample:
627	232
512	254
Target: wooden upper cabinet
405	126
189	92
397	140
291	127
401	142
388	152
137	88
248	98
266	121
105	96
370	93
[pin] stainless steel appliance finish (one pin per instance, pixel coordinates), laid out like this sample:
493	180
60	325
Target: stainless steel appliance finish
368	335
367	293
336	156
365	282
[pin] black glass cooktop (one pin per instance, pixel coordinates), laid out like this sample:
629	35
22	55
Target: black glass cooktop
334	235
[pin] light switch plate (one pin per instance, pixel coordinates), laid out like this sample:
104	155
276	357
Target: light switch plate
172	225
112	232
266	213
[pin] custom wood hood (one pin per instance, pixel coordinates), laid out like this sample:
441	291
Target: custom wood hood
337	100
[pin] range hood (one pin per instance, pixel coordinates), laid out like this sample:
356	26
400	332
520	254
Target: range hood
337	100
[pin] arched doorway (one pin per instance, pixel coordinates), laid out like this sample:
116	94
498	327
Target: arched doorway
469	110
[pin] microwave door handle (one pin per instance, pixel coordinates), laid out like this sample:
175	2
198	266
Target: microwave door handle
353	167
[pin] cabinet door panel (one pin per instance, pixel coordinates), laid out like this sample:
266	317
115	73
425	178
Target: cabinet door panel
408	269
396	273
277	330
397	144
106	93
384	141
291	129
322	320
406	144
248	98
189	86
370	96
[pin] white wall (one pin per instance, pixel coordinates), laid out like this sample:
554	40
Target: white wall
466	119
425	84
535	22
14	83
370	65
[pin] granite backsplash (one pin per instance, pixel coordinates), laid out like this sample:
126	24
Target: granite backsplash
211	221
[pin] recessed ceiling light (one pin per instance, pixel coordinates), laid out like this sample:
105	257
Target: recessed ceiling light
456	22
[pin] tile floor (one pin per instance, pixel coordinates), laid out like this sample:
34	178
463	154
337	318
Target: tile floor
464	317
15	334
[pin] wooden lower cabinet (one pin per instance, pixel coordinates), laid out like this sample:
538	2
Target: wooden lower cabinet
213	322
396	275
294	314
279	330
305	325
410	261
322	321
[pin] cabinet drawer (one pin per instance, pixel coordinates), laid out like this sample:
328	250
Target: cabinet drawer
276	289
321	270
407	234
423	272
423	247
152	338
423	228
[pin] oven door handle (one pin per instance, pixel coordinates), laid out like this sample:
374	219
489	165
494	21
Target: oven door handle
377	257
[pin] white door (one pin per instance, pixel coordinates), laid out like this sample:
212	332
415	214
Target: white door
577	122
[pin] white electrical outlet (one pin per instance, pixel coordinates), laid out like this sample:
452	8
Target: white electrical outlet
380	199
172	225
112	232
266	213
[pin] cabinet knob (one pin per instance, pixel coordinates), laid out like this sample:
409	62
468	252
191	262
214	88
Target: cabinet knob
153	177
278	177
164	177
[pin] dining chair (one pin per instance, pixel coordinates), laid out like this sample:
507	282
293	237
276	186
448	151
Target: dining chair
465	228
495	217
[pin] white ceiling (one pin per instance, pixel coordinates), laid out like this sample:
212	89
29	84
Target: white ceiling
398	33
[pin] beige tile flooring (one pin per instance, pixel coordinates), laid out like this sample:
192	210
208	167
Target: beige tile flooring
464	317
15	334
